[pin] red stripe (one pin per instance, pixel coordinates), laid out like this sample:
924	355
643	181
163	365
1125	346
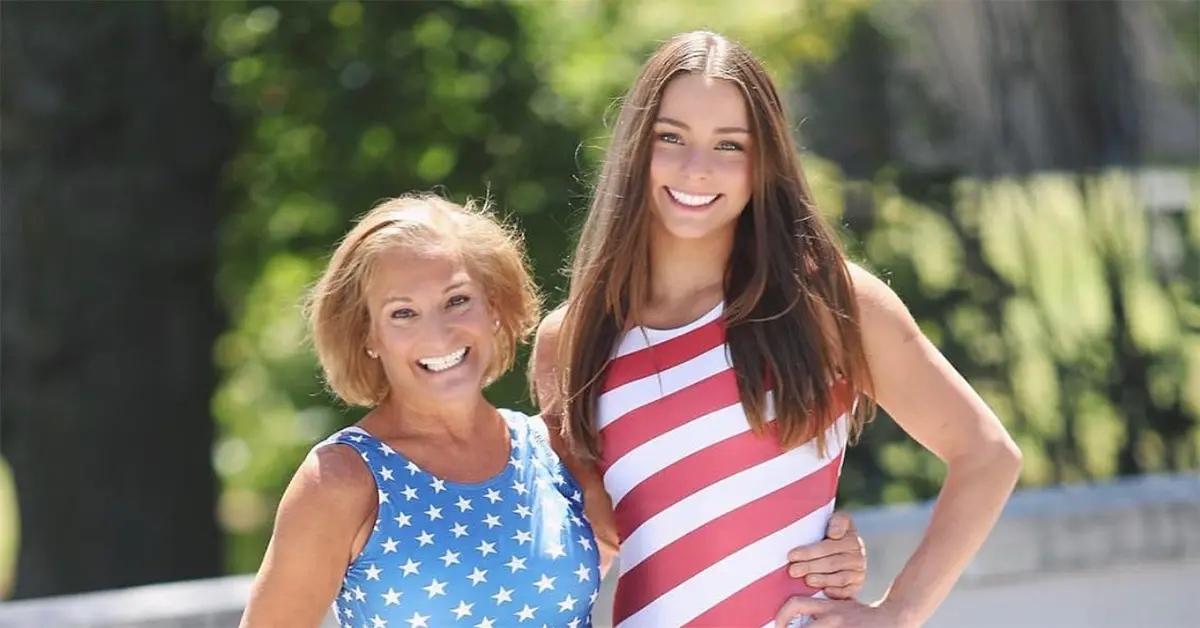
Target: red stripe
757	603
696	551
692	473
664	355
660	416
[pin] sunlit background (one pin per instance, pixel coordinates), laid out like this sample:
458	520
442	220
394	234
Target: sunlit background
1026	175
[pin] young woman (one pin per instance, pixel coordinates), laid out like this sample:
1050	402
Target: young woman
436	509
717	351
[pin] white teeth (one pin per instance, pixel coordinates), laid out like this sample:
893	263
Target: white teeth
692	200
444	362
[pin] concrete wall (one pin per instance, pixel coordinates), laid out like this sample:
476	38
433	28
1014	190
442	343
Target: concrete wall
1119	554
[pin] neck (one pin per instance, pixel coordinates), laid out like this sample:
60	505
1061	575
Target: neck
684	270
461	420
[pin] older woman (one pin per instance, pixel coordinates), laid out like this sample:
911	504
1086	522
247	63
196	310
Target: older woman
436	508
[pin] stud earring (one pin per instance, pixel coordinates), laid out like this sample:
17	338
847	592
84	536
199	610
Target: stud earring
372	354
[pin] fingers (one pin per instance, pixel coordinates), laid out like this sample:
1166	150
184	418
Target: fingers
836	579
828	565
799	605
849	544
843	593
839	524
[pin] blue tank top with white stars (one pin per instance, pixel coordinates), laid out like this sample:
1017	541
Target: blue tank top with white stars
511	550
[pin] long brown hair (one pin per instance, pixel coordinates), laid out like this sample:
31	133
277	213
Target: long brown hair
791	316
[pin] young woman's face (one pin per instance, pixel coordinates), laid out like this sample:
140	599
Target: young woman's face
430	325
700	165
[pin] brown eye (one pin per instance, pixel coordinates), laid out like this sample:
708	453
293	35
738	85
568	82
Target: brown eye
670	138
403	313
458	299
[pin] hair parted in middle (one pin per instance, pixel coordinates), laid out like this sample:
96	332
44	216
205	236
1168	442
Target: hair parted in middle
492	252
791	317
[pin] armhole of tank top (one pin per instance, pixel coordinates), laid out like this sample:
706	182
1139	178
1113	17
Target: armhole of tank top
376	534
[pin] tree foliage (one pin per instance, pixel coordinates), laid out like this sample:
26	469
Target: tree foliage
1042	290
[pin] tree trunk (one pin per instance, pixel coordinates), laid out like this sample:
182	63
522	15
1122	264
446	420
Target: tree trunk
112	148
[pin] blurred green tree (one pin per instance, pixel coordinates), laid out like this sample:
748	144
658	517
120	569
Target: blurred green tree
1057	316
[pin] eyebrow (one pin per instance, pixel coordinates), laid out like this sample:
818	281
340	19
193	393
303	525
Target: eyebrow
724	129
450	288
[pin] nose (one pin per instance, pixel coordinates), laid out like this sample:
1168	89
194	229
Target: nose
437	334
697	165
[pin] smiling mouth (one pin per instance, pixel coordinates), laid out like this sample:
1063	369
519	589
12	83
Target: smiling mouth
445	362
694	201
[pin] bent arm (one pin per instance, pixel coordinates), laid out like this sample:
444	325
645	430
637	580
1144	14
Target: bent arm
322	511
936	406
596	503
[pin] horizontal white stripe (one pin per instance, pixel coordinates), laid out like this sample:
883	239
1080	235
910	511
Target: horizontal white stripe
731	574
617	402
639	338
667	448
719	498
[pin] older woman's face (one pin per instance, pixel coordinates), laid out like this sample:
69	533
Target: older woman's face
431	326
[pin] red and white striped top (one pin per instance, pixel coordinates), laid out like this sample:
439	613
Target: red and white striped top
706	509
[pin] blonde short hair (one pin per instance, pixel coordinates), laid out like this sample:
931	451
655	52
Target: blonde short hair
494	256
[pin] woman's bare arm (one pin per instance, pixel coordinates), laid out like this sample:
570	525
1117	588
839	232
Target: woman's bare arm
596	502
323	509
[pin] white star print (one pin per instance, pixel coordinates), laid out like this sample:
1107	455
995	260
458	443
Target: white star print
411	568
387	451
576	520
522	537
567	603
519	465
574	623
491	521
391	597
576	496
378	622
410	493
515	564
493	495
545	583
383	497
459	530
523	511
348	613
525	613
583	572
520	488
463	610
556	551
435	588
463	504
403	520
434	513
346	595
412	468
373	572
487	622
356	438
359	594
486	548
450	558
585	543
389	545
592	597
478	575
386	473
425	539
418	620
438	485
503	595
